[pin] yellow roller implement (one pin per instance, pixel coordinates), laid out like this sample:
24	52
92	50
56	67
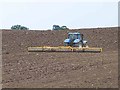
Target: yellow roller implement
64	49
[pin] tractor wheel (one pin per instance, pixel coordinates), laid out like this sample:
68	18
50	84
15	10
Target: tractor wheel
65	44
85	45
80	45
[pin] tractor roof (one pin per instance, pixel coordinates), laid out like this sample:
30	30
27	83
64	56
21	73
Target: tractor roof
74	33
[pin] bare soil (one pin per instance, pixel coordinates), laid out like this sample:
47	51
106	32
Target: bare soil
23	69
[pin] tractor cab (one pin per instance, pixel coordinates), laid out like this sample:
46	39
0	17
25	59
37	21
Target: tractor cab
75	39
74	36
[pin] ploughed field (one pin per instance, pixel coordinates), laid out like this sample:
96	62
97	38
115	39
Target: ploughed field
23	69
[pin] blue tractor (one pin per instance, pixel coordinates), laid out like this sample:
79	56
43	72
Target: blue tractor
75	40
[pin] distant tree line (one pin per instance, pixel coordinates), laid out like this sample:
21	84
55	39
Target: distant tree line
19	27
57	27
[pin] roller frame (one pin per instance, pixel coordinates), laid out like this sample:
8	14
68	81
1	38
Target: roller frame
63	49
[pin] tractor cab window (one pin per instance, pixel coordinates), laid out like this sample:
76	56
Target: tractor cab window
79	36
72	36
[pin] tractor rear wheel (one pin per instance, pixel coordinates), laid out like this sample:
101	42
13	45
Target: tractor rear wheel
65	44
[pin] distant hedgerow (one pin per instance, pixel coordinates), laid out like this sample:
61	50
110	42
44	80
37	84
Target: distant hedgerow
19	27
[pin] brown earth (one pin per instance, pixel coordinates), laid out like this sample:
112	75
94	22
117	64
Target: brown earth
59	69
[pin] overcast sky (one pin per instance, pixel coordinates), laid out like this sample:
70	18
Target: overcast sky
39	15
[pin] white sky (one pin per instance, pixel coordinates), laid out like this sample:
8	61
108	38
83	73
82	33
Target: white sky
42	14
